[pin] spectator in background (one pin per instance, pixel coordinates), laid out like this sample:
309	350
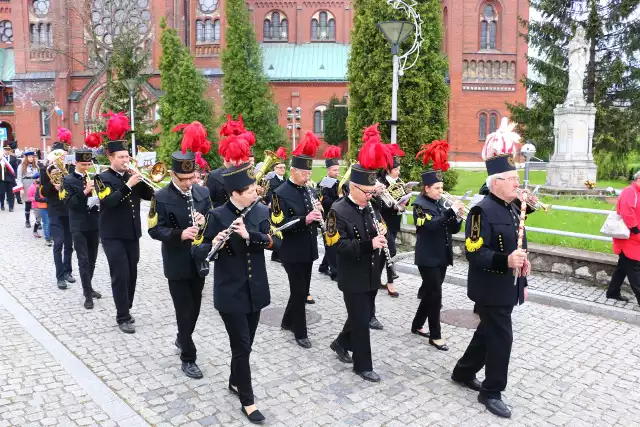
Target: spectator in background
628	250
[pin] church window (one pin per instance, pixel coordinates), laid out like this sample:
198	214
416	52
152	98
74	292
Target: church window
488	27
6	32
493	123
208	6
318	120
482	133
323	27
275	27
41	7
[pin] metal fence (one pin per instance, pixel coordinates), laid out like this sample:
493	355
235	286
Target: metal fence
407	213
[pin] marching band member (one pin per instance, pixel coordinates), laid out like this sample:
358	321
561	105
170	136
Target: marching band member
328	189
26	171
176	218
120	190
433	252
497	273
294	201
8	168
240	282
59	217
82	202
355	233
392	217
279	176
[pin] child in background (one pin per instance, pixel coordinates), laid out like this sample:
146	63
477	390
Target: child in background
31	197
41	205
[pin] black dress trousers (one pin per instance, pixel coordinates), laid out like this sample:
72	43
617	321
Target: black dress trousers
631	268
187	299
489	347
62	245
241	328
355	335
86	245
429	308
123	257
6	191
295	317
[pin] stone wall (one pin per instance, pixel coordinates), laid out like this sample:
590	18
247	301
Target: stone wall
591	267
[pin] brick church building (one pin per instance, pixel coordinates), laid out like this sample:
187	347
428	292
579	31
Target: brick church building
50	76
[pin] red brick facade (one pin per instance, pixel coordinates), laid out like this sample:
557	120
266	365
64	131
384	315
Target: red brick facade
53	61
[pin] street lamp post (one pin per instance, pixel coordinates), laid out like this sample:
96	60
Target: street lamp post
395	32
294	123
131	84
528	150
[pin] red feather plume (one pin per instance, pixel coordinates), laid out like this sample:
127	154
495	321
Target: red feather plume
201	162
374	154
281	152
333	152
438	152
93	140
117	125
194	137
64	135
308	146
235	149
236	128
395	150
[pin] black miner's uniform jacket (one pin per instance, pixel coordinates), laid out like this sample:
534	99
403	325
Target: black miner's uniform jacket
274	183
390	215
329	195
120	206
358	263
55	206
491	236
300	242
240	282
81	217
434	226
215	184
174	215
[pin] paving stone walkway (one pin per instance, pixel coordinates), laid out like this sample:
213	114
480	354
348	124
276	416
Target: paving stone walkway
567	368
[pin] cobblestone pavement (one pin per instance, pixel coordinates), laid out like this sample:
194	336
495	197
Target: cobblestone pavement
567	368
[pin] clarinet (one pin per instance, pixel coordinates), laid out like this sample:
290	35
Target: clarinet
192	211
229	231
314	202
388	261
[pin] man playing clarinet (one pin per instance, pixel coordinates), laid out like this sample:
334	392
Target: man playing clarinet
498	268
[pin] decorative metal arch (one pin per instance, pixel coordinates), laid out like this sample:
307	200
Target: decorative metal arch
408	6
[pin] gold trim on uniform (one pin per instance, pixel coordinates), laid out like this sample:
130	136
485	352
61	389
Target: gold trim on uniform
422	216
62	194
153	214
277	216
474	241
331	236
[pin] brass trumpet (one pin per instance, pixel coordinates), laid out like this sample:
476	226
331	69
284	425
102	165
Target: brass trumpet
448	201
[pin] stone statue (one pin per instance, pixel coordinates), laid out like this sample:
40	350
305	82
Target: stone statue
577	66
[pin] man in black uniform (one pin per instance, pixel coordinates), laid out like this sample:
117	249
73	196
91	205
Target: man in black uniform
328	189
279	176
120	191
352	233
215	184
8	174
59	223
82	202
176	218
494	259
292	201
393	219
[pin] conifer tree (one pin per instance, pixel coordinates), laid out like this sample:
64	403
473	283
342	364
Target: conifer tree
335	121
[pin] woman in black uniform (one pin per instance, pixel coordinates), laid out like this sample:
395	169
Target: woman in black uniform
240	283
434	226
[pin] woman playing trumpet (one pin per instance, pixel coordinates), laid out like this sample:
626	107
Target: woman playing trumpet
434	226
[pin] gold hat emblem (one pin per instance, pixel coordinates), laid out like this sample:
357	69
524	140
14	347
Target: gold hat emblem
187	165
439	175
310	163
250	172
86	157
510	161
372	178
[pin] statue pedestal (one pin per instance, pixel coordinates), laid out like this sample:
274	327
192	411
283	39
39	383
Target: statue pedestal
572	161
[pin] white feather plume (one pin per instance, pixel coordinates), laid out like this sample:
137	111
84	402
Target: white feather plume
502	141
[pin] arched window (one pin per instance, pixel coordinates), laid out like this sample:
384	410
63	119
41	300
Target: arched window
216	30
208	30
275	27
323	27
482	133
6	32
318	120
199	31
488	27
493	123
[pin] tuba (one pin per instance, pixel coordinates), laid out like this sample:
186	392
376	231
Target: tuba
57	169
270	159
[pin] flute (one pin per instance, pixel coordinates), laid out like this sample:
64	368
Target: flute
376	224
523	214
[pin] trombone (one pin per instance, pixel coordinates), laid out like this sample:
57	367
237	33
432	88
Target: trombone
157	174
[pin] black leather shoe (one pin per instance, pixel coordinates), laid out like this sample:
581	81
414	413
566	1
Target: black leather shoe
323	270
442	347
369	376
375	324
27	224
88	303
495	406
19	202
419	332
394	294
132	320
69	278
255	417
10	209
310	301
343	354
618	298
473	384
334	276
127	328
62	284
96	294
304	342
191	370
